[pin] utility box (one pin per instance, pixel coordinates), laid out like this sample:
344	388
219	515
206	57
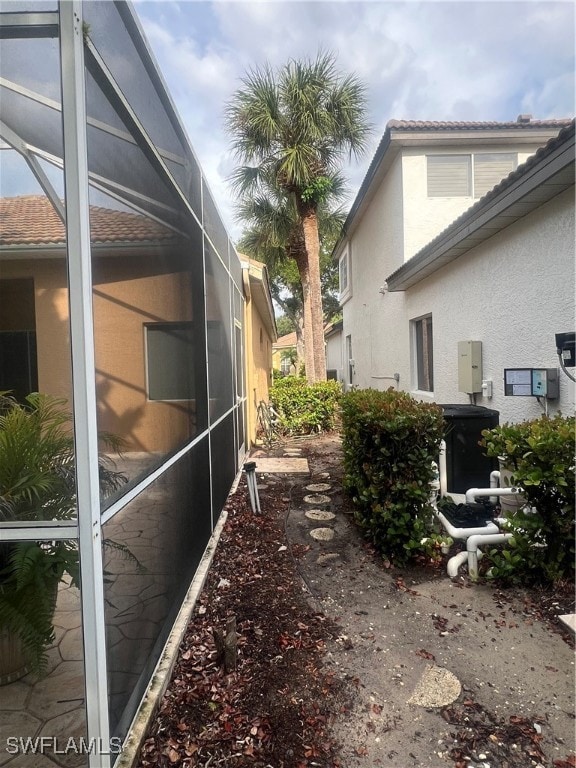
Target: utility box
466	465
470	366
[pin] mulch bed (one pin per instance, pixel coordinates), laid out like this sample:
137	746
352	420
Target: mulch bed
275	708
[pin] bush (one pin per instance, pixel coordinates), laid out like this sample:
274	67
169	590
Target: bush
540	454
305	408
390	441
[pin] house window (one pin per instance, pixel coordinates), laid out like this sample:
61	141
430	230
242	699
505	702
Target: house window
344	275
350	361
286	365
468	175
423	354
170	361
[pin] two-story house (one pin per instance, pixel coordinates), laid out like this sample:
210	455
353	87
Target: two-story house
503	264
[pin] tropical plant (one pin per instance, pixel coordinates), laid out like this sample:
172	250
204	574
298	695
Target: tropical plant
37	483
540	455
272	235
291	130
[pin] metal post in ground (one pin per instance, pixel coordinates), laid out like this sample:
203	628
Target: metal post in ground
250	470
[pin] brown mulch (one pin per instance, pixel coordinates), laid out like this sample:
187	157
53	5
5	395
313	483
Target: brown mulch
275	709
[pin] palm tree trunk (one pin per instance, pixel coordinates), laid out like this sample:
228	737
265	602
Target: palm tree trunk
300	349
312	245
303	271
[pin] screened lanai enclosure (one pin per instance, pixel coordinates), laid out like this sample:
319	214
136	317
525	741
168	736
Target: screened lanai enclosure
121	304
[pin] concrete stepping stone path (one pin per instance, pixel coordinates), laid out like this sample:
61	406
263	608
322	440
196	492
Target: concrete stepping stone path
318	487
320	515
318	499
322	534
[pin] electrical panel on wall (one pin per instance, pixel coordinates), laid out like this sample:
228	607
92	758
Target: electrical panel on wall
532	382
470	366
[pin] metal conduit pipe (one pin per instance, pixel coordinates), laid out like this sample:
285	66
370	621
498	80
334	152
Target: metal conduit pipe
474	553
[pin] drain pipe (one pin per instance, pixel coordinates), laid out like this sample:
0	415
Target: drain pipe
443	472
455	562
472	493
464	533
494	483
474	553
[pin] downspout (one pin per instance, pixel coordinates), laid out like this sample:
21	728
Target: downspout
442	470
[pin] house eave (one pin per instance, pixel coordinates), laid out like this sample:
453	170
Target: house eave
259	289
540	183
396	138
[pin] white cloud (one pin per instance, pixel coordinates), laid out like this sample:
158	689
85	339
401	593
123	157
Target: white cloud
427	60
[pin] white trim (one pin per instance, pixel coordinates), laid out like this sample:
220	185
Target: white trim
84	379
345	292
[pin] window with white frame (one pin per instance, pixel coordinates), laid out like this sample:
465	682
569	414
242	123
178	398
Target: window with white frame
469	175
345	287
422	354
170	361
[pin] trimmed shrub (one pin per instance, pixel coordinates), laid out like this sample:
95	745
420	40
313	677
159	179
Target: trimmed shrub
540	454
305	408
390	441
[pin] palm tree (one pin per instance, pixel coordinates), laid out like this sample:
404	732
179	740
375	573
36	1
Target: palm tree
291	130
273	236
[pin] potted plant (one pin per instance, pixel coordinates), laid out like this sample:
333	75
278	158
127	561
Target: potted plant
37	482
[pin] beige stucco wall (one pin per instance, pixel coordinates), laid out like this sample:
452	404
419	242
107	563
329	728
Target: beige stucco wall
425	217
122	304
258	345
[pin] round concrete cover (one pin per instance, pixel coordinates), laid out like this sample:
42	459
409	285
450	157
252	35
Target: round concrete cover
320	514
318	487
322	534
317	499
436	688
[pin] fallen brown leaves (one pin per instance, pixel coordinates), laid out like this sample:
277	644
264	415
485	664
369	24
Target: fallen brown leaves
275	709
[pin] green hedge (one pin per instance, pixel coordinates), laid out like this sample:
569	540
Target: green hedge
390	441
540	454
305	408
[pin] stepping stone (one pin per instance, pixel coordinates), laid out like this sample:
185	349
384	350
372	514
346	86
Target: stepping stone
318	487
322	534
320	515
317	498
436	688
323	475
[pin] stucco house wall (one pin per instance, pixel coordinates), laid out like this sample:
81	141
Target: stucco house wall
375	250
259	337
392	219
425	217
512	293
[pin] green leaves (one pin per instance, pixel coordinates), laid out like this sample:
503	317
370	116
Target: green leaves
303	408
389	442
540	454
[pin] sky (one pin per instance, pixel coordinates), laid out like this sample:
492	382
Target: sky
425	60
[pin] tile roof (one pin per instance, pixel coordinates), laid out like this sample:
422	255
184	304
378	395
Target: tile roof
443	125
32	220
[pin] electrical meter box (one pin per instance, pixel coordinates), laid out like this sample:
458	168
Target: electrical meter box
470	366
